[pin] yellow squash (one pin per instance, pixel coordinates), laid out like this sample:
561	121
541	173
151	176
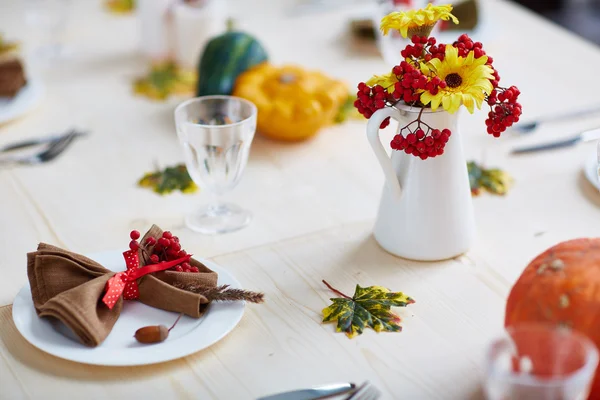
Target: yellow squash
293	103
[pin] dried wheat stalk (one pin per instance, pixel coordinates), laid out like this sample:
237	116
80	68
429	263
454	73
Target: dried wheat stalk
223	293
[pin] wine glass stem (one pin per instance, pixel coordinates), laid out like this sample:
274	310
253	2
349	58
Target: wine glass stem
216	206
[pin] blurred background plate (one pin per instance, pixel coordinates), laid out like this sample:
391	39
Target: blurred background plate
25	101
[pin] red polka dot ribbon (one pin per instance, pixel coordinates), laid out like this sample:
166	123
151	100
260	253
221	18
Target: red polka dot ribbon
125	283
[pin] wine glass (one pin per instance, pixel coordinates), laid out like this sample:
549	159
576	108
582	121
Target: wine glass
48	20
216	133
540	362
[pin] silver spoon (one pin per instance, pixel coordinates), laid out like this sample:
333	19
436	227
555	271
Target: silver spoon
527	127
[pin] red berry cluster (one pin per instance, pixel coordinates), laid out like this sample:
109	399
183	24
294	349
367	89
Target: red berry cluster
370	99
505	110
423	49
465	44
438	51
420	143
419	48
410	81
166	248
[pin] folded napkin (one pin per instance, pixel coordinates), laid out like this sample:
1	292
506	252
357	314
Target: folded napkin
70	287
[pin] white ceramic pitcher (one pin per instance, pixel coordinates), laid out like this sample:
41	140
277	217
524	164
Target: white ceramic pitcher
426	210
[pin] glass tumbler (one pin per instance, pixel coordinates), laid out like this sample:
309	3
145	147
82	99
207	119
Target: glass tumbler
216	133
540	362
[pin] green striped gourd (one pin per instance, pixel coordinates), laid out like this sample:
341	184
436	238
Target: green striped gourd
224	58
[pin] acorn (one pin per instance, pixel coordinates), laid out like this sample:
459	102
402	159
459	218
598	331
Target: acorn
154	333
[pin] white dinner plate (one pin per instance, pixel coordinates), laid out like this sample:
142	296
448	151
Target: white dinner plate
591	170
120	347
26	100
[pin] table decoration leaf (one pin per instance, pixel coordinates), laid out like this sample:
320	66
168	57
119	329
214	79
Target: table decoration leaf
168	180
120	6
494	180
370	306
165	79
6	46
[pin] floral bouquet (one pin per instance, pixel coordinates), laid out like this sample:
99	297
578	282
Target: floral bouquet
434	74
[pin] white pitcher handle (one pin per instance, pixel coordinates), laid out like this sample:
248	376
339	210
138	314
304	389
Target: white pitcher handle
385	161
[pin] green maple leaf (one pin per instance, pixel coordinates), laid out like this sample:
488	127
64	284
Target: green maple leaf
493	180
168	180
370	306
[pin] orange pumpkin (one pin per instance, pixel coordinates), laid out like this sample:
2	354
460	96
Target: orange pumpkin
561	286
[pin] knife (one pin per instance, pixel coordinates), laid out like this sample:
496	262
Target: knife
319	392
584	136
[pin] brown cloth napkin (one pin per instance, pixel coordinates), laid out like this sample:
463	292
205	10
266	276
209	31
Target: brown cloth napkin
69	287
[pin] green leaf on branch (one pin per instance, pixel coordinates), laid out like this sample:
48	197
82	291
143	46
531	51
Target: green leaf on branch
168	180
493	180
369	307
347	111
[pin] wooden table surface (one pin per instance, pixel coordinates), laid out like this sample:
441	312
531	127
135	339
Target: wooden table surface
314	204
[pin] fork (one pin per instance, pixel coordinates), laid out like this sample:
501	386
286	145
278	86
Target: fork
37	141
53	150
366	391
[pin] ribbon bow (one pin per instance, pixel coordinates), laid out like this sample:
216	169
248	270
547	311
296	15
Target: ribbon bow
125	283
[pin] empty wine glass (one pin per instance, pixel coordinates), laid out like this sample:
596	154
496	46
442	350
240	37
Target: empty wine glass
47	19
216	133
540	362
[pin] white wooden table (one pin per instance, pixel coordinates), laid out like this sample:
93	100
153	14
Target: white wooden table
314	205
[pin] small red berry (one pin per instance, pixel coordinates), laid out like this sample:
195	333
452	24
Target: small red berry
167	235
178	268
164	242
194	269
150	241
182	253
134	235
134	245
154	258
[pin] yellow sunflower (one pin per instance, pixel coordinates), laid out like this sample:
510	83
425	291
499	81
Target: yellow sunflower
417	22
468	81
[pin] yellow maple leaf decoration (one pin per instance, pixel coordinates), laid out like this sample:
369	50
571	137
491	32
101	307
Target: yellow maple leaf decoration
165	79
370	306
120	6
